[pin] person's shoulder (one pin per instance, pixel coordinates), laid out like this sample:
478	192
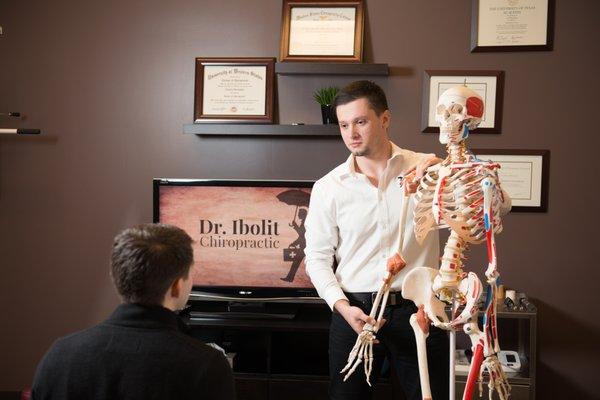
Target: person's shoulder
70	344
409	158
333	176
196	347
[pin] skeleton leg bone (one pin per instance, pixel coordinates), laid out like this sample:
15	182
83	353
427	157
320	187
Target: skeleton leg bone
417	287
420	337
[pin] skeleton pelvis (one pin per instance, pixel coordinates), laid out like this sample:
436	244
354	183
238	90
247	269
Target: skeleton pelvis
417	287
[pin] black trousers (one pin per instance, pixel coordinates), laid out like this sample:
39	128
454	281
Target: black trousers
397	341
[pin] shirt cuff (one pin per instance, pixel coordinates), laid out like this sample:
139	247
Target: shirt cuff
332	295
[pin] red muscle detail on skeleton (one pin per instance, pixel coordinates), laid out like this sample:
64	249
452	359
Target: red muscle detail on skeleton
475	107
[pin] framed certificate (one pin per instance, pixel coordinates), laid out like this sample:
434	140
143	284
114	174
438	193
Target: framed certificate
322	31
488	84
512	25
234	90
523	175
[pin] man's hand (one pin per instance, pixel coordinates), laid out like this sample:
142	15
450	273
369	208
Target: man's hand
414	175
355	317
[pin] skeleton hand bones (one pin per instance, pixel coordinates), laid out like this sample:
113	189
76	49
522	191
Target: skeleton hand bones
363	348
413	176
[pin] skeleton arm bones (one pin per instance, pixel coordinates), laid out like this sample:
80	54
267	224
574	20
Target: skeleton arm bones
363	348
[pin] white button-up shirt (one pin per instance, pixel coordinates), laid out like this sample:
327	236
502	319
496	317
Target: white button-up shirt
357	223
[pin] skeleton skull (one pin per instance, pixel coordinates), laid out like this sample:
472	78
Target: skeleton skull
459	110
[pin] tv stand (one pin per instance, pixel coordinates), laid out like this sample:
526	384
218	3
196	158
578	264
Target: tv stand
250	310
287	359
275	358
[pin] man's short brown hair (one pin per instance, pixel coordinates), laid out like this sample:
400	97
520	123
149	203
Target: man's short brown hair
362	90
147	259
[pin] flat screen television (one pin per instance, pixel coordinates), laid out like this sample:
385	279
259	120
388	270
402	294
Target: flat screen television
248	235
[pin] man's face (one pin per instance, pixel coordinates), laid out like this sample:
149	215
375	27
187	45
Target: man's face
364	132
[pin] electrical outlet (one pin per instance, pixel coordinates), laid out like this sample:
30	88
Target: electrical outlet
1	30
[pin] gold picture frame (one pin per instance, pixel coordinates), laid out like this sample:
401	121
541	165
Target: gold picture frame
322	31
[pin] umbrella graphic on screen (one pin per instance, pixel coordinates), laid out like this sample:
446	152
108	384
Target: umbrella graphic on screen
295	251
294	197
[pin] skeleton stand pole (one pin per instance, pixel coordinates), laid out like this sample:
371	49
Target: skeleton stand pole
452	367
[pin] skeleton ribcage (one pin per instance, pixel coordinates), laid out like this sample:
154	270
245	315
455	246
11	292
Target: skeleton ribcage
458	205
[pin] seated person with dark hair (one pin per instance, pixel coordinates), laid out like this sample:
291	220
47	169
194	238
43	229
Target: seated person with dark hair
140	351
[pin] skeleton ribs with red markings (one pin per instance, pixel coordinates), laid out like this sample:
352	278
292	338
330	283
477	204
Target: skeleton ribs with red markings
462	194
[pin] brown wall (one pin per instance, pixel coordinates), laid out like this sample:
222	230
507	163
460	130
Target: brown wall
111	84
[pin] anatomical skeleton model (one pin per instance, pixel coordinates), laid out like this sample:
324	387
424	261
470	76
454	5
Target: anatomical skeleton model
463	194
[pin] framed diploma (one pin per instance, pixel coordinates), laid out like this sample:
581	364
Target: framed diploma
523	175
330	31
512	25
234	90
488	84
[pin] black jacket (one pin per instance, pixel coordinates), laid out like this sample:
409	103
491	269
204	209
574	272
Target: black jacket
140	352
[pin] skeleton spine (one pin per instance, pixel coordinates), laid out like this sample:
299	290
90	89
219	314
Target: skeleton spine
451	268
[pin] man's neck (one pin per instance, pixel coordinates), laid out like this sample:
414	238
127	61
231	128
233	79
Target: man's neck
170	304
373	165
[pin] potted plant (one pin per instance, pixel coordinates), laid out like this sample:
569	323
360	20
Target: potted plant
325	97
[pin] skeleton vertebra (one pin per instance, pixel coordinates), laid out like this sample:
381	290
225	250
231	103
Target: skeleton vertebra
462	194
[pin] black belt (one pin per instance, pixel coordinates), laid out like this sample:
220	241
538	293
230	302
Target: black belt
367	298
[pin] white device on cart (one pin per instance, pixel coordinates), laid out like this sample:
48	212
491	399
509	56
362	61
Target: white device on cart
510	360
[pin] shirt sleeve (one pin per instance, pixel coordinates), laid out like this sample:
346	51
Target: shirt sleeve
44	380
321	241
218	383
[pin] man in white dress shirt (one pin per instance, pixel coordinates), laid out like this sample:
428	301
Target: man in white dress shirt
353	222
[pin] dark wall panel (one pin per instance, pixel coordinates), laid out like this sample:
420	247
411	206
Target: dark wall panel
111	84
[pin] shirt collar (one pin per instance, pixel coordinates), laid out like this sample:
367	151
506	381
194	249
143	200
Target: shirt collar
145	316
349	167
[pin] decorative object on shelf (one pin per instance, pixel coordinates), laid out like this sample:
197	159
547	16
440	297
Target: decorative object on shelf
512	25
16	131
525	176
313	30
234	90
464	194
487	84
325	97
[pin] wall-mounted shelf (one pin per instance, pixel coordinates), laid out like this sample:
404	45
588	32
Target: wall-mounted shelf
310	68
261	129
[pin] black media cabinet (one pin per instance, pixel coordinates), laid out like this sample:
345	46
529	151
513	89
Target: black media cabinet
286	358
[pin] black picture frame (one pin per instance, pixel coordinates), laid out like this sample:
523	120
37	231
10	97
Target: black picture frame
476	48
542	175
459	78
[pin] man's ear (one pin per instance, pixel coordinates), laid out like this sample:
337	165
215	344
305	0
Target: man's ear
175	289
385	118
